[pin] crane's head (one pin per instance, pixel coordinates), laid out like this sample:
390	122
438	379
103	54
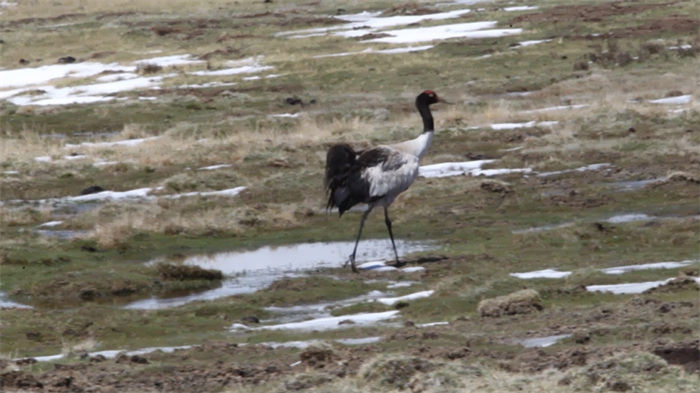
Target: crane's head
429	97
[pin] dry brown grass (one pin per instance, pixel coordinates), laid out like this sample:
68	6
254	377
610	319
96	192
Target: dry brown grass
524	301
395	374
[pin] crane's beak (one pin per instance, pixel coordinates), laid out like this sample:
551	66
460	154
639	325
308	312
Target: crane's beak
443	101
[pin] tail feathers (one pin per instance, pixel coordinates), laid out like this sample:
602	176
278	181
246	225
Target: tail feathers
340	168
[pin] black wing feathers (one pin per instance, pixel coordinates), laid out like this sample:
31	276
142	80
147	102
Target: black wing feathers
344	183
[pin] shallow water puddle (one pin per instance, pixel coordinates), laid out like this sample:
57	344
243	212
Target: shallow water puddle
250	271
302	256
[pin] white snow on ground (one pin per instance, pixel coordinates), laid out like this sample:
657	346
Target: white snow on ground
116	77
458	30
381	266
393	300
541	342
382	51
332	323
632	287
429	324
126	142
169	61
554	108
472	168
85	93
110	354
623	218
139	193
679	100
283	115
543	228
400	284
233	71
50	224
546	273
214	167
308	343
647	266
592	167
529	43
511	126
23	77
625	288
205	85
228	192
4	303
368	22
26	80
521	8
133	195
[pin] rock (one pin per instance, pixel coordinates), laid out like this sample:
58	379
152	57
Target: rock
294	101
91	190
250	319
66	60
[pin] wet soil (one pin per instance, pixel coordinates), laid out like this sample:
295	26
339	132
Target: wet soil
597	332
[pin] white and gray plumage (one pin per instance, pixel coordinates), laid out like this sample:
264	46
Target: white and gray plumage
378	175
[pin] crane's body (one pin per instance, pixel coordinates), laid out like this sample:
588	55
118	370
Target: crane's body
378	175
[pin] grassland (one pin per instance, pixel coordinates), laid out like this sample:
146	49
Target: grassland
614	58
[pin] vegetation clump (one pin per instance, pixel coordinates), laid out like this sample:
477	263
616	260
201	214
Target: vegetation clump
168	271
521	302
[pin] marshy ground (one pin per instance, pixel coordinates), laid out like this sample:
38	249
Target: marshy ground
200	257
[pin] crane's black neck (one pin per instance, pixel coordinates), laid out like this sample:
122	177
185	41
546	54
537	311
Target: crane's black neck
424	110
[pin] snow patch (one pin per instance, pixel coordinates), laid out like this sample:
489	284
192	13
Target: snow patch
679	100
472	168
332	323
546	273
393	300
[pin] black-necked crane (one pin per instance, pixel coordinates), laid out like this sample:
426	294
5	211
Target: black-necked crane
378	175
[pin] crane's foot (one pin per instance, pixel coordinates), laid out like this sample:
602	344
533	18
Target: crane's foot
351	261
398	264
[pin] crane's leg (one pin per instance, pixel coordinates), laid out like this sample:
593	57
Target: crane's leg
387	221
357	241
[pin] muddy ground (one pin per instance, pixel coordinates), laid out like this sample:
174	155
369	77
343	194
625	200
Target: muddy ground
662	321
217	365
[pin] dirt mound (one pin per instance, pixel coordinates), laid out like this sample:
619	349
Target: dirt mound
677	284
395	373
521	302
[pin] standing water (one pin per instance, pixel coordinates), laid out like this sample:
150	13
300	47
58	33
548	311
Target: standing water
250	271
